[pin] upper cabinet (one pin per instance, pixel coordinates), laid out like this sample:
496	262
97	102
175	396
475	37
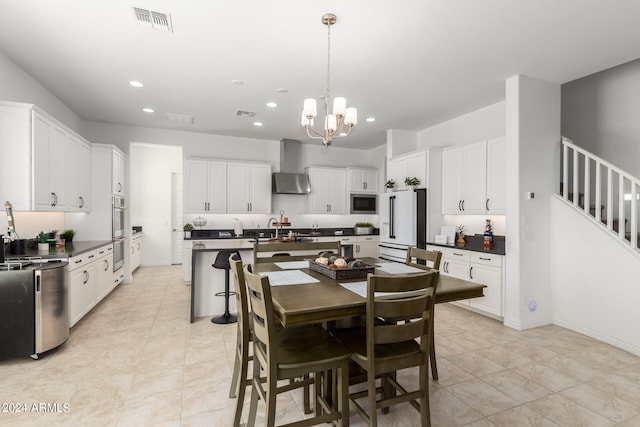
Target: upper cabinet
473	179
206	186
362	180
328	191
118	173
408	166
45	165
249	187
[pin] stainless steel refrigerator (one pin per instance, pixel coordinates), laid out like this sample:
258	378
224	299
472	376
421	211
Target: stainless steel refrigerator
403	223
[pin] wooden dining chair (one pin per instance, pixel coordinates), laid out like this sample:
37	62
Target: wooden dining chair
426	260
293	353
298	251
383	348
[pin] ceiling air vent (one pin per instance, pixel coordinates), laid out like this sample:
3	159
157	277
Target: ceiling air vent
152	19
245	113
179	118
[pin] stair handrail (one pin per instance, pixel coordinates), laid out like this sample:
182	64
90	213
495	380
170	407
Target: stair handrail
600	163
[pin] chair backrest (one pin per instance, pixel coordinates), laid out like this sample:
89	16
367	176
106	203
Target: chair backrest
431	258
242	303
263	252
407	313
264	327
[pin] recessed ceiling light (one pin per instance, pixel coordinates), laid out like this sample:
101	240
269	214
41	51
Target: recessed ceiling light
148	110
272	104
282	90
136	83
237	82
257	124
371	119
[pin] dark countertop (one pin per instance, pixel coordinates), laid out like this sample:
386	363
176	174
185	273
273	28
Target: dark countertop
70	250
474	244
253	233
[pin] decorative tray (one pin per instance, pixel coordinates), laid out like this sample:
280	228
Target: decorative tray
342	273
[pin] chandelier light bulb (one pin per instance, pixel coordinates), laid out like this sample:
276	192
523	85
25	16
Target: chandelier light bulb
351	116
310	107
339	106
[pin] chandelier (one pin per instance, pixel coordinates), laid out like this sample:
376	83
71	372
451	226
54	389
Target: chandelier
339	123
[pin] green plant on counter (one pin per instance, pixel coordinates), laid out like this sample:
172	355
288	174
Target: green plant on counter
43	237
187	227
68	234
390	184
363	224
411	181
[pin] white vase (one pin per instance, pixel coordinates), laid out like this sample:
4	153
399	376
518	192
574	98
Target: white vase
43	247
187	234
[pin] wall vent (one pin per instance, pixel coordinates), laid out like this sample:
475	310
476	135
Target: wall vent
151	19
245	113
180	118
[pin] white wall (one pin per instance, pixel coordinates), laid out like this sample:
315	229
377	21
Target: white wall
150	197
533	158
600	113
594	286
18	86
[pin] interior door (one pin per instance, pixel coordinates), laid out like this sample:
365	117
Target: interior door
176	218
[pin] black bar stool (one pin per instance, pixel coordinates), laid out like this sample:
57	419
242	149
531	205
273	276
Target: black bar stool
222	263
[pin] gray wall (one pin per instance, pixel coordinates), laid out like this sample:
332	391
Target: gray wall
601	112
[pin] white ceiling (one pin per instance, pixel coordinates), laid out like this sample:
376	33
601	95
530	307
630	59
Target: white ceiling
408	63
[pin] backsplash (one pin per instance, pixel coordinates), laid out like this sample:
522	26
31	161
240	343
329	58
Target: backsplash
29	224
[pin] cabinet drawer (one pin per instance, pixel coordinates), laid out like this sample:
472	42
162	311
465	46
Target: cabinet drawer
368	239
104	251
82	260
486	259
457	254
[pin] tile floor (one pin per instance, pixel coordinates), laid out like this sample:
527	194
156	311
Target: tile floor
135	360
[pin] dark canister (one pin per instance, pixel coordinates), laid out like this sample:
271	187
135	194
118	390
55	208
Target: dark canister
17	247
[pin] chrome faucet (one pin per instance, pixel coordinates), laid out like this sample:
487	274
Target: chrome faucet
275	220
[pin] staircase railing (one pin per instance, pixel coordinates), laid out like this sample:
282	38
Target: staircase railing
604	192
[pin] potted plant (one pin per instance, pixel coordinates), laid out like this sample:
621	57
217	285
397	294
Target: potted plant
411	181
187	228
363	228
68	235
43	244
390	185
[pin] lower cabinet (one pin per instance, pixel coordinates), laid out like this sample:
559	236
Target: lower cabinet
90	280
136	251
480	267
361	246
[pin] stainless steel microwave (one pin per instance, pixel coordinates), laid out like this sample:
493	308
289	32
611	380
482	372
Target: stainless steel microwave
363	204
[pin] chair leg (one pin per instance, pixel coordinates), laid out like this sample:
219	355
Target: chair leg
432	355
233	390
241	379
255	383
343	394
270	402
425	410
373	407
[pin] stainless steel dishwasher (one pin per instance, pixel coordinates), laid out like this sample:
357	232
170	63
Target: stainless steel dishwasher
34	312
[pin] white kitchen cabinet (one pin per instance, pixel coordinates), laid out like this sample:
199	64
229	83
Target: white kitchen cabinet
362	180
496	202
480	267
408	165
79	174
136	251
366	246
50	157
36	165
104	271
464	179
328	190
249	187
118	173
83	292
205	186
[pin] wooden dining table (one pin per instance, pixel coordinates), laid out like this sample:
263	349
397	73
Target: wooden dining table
325	300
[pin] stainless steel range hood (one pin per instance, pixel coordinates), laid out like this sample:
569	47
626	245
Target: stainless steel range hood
290	179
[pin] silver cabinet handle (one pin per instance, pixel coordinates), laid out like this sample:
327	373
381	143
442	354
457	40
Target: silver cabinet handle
106	264
486	205
471	272
463	205
485	259
459	205
81	202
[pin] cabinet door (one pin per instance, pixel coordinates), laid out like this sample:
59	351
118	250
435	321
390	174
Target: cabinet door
72	174
452	181
82	292
371	181
104	276
239	197
216	188
397	170
84	176
117	173
496	202
367	246
41	162
474	174
336	191
260	189
357	180
492	277
416	167
319	196
196	186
